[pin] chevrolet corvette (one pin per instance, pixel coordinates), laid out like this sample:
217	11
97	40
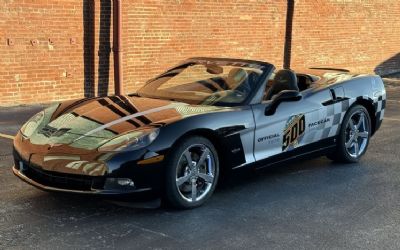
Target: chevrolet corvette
173	138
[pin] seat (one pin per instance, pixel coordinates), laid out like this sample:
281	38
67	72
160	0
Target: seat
285	79
235	77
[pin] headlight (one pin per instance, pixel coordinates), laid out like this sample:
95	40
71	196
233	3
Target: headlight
29	127
135	140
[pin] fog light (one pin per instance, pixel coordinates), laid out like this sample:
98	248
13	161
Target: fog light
125	182
118	183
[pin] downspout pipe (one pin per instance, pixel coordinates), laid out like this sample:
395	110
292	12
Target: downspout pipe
117	47
287	51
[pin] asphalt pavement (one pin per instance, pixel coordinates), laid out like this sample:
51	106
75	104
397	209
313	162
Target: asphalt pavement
310	204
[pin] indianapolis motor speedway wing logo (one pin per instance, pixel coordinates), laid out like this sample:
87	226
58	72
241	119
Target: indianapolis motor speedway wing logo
293	132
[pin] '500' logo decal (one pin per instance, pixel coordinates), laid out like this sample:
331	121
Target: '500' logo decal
295	127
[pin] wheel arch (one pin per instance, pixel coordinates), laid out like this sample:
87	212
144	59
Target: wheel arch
209	134
369	106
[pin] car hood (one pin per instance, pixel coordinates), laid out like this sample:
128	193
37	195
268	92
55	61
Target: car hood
89	123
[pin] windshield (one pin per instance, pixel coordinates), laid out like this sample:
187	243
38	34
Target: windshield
219	83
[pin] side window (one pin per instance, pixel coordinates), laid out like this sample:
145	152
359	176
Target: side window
303	82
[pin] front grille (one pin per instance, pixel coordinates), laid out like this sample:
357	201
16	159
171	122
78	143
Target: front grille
61	180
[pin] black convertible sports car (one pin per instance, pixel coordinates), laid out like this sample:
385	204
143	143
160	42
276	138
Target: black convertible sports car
174	136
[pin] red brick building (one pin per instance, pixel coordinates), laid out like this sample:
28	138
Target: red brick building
61	49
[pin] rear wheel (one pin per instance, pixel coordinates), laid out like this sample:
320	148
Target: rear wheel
354	136
192	173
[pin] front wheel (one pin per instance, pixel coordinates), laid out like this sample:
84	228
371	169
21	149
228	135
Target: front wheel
354	136
191	173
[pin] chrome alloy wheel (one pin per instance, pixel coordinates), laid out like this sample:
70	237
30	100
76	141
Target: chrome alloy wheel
357	134
195	172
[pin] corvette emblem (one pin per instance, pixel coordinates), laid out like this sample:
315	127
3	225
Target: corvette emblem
49	131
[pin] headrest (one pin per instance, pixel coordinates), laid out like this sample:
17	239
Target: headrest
284	79
287	79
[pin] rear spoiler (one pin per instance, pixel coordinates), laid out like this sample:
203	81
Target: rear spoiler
333	69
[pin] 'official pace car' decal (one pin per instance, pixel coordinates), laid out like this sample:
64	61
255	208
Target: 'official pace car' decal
293	132
269	138
319	123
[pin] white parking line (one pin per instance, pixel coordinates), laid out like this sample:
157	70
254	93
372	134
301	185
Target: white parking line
393	101
7	136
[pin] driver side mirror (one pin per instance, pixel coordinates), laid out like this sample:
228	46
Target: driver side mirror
283	96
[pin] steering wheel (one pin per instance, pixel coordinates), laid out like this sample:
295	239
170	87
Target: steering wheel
230	96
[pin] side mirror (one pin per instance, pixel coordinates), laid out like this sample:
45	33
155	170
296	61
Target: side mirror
283	96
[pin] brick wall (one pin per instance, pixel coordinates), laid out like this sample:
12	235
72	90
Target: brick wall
361	35
56	50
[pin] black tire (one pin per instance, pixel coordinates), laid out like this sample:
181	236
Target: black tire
341	154
173	195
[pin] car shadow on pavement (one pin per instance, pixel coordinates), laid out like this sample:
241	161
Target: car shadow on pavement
291	172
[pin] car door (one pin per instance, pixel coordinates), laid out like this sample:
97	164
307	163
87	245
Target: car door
292	125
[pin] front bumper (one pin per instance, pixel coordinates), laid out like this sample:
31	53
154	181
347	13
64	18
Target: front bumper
95	191
73	172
